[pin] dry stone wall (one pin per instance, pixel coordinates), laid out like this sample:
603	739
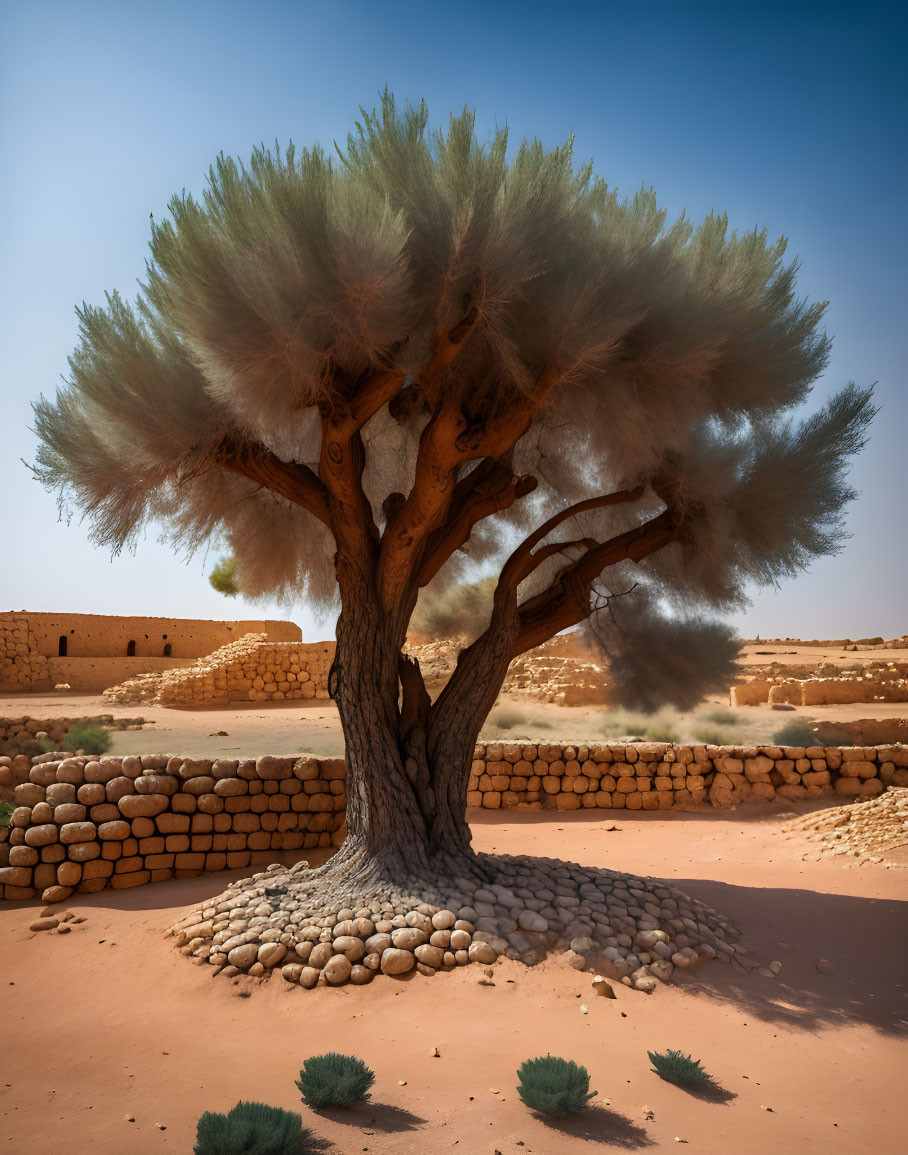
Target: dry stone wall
81	823
661	776
252	669
21	729
873	681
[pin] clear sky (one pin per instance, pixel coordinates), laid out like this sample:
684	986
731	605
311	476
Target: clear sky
784	115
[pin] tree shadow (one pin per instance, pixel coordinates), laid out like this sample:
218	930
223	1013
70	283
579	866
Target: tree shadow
598	1124
864	940
708	1092
373	1116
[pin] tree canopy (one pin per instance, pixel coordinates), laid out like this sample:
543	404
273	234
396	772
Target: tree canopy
383	362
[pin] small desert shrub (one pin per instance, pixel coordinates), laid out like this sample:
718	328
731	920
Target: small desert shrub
253	1129
721	717
677	1068
36	746
223	577
713	734
655	728
505	719
553	1086
334	1080
6	813
88	736
794	733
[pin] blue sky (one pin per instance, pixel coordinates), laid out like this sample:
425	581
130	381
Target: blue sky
789	116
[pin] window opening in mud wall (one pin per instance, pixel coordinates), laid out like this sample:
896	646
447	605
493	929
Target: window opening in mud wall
131	649
61	646
167	650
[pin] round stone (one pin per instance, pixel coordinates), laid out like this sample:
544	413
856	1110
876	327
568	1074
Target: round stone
309	977
481	952
321	952
408	938
432	956
443	919
349	946
395	961
292	971
337	970
360	975
460	940
271	953
243	956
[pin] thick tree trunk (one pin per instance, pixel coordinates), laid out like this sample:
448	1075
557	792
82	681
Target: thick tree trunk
406	784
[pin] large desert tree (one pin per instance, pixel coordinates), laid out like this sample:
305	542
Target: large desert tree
357	370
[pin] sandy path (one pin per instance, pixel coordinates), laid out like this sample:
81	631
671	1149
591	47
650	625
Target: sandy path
110	1021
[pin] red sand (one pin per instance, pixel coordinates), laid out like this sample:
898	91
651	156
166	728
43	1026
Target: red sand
110	1021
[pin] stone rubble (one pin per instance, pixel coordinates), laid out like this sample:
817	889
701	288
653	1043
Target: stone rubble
627	929
865	829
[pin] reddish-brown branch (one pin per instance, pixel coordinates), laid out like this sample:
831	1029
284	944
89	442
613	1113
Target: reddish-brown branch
297	483
473	500
567	600
446	444
520	563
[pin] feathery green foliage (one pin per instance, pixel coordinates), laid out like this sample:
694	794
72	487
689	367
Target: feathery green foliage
6	813
553	1086
334	1080
223	577
675	1067
87	736
679	353
254	1129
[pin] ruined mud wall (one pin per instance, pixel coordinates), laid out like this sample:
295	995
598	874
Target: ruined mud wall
91	651
85	823
252	669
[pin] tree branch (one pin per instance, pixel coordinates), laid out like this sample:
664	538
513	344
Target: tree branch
296	482
519	564
478	495
567	600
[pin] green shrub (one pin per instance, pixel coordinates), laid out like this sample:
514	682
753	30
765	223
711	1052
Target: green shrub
334	1080
797	732
6	813
36	746
223	577
663	732
253	1129
677	1068
553	1086
655	728
505	719
88	736
712	734
721	717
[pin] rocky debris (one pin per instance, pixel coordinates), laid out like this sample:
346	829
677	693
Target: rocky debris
629	930
865	829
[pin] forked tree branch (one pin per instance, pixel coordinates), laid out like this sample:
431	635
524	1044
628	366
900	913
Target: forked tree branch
296	482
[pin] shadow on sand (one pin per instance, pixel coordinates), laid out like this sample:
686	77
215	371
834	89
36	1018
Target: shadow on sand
864	940
370	1117
598	1124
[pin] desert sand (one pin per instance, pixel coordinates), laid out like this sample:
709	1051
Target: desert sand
110	1032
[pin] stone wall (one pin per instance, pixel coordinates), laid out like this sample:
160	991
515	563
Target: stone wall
252	669
660	776
83	823
32	645
873	681
15	731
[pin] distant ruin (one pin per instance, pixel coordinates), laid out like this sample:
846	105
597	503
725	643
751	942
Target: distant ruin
90	652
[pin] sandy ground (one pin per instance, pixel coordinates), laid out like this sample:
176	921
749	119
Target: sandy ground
290	728
109	1023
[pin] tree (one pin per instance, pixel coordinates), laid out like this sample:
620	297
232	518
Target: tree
223	577
360	371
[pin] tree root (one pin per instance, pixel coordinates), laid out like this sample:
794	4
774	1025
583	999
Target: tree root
358	916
